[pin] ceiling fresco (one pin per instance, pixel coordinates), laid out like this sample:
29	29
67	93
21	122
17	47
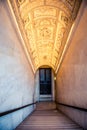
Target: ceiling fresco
45	26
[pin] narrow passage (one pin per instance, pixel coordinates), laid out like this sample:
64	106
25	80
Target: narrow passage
46	117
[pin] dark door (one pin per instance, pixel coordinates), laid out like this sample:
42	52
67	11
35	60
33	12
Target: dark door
45	81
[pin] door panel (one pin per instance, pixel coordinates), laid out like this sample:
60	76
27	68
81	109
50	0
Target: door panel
45	81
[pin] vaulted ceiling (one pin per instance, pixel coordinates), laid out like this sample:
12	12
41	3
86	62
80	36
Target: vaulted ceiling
44	26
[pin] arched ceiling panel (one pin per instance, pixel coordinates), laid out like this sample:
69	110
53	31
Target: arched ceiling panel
45	26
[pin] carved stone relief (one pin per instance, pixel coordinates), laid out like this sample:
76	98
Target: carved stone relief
46	25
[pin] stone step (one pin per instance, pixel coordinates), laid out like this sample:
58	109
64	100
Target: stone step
48	120
45	106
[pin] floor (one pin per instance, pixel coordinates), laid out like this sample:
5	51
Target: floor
47	118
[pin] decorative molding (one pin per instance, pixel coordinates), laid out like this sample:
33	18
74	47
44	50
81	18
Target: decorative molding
45	26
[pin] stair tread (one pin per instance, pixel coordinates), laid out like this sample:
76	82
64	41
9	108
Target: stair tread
48	119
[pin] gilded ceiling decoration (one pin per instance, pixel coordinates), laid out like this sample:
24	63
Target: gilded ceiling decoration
45	26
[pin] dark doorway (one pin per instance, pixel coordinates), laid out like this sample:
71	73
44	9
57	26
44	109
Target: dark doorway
45	81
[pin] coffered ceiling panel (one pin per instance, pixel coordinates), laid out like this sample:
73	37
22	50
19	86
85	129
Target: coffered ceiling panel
45	26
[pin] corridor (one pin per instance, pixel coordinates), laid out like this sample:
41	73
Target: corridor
43	64
46	117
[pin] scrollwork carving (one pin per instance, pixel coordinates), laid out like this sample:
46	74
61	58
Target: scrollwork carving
45	27
20	1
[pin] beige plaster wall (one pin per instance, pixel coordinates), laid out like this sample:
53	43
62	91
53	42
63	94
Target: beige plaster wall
16	76
72	75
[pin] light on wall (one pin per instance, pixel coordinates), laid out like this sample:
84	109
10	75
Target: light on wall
55	78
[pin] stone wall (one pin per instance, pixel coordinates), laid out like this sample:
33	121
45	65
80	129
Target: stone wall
16	75
72	76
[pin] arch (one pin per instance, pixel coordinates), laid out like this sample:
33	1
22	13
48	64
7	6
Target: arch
45	26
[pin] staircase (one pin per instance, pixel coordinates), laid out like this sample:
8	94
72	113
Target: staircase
45	106
46	117
45	98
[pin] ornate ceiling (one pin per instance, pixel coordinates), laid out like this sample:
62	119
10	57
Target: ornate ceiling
45	26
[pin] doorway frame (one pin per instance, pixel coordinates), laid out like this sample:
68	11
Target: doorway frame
36	85
50	97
